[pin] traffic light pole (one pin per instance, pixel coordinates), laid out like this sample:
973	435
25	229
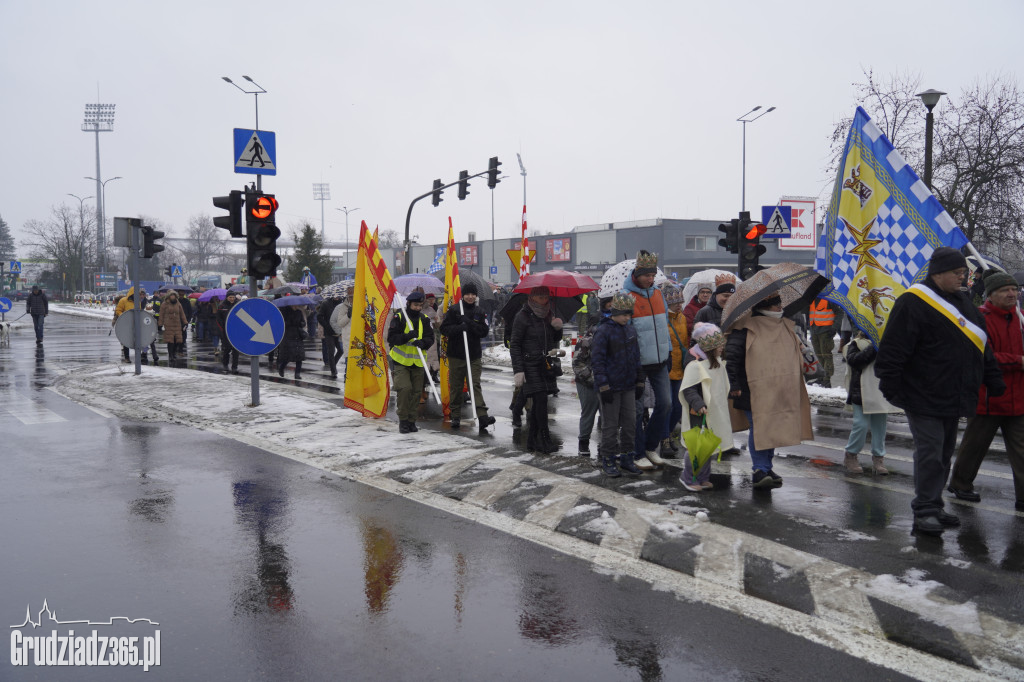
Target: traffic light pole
254	360
136	301
408	215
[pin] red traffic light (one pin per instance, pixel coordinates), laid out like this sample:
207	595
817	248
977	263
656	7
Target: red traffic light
265	207
756	230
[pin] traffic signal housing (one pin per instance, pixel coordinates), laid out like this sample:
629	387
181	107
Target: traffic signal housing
751	248
149	246
463	184
261	234
492	172
731	241
169	271
232	222
436	198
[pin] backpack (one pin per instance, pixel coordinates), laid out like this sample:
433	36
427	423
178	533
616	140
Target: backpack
581	360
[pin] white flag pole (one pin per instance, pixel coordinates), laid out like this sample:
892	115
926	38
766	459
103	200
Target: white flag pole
426	367
469	367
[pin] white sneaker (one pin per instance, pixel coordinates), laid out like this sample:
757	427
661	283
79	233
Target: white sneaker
643	464
655	458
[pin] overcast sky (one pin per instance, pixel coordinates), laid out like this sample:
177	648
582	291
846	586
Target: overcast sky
621	110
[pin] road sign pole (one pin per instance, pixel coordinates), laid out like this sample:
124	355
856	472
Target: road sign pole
136	307
254	360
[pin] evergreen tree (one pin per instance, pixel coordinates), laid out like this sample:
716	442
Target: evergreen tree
309	253
7	252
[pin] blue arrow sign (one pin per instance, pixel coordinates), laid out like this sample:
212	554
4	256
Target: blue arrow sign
5	305
255	152
254	326
777	221
15	266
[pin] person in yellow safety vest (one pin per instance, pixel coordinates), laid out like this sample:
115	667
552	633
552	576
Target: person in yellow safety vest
823	321
410	332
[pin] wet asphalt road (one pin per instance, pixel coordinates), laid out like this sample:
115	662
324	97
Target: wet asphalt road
258	567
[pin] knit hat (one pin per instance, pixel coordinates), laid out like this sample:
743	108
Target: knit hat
646	263
415	297
622	302
708	336
540	291
944	259
997	279
725	283
470	288
673	295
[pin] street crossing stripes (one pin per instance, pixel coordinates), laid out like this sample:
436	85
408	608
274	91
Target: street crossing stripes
27	410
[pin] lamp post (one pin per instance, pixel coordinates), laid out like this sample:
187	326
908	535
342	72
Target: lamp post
101	216
930	99
99	118
745	120
81	225
321	193
346	210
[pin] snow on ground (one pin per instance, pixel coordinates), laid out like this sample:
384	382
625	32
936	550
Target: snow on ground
498	355
913	590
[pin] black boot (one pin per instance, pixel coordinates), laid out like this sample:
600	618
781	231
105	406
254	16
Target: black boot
533	434
547	445
517	419
584	450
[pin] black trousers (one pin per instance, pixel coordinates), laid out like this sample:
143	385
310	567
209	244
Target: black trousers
978	435
934	441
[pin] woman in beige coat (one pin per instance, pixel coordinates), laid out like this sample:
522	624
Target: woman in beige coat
172	317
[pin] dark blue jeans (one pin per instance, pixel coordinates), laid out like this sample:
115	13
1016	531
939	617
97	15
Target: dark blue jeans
37	323
657	425
677	406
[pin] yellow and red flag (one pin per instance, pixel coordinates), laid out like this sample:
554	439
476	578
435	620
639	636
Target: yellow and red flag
367	384
452	296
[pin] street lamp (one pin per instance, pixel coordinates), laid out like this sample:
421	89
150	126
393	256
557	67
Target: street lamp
256	94
346	210
492	222
101	216
930	99
744	120
321	193
99	118
81	225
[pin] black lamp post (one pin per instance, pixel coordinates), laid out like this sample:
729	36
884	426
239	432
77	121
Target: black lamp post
930	99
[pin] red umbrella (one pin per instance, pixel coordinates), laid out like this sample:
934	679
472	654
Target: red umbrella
560	282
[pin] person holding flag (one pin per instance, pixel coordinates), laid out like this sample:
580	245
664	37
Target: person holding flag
464	325
409	333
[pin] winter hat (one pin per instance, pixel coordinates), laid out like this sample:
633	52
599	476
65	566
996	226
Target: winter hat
944	259
673	295
997	279
646	263
725	283
622	302
470	288
708	336
415	297
540	291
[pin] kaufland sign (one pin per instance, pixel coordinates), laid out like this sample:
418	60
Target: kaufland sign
805	218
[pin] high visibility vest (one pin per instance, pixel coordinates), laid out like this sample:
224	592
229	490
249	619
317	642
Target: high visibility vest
407	354
583	308
821	314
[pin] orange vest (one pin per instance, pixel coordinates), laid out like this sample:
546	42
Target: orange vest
821	314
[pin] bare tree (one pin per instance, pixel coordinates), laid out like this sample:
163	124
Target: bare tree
66	239
979	165
389	239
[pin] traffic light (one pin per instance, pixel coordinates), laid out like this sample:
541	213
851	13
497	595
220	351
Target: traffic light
232	203
492	172
463	184
149	245
261	233
169	271
436	199
731	241
751	248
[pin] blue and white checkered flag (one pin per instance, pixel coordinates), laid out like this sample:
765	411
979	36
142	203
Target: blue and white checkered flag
882	225
438	264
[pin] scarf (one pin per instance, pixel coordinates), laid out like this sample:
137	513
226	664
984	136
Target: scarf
539	310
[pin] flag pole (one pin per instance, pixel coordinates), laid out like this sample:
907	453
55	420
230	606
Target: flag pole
469	366
426	367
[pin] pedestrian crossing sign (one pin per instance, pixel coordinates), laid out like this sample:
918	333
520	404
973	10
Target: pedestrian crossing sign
777	221
176	271
15	267
255	152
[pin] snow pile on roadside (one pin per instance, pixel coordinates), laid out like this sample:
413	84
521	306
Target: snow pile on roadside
497	355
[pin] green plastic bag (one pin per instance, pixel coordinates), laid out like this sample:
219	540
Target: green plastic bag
702	443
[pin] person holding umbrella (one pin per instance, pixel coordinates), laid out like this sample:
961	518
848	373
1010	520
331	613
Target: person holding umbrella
464	325
409	334
172	317
536	331
765	367
227	350
291	349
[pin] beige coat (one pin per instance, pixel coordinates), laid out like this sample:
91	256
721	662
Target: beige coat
778	395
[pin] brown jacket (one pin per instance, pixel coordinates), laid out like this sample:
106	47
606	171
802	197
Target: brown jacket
172	317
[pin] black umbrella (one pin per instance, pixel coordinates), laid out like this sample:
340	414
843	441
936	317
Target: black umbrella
565	307
483	287
176	287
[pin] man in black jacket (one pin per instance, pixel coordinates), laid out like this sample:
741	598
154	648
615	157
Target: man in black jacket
932	360
330	345
471	320
409	334
38	307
